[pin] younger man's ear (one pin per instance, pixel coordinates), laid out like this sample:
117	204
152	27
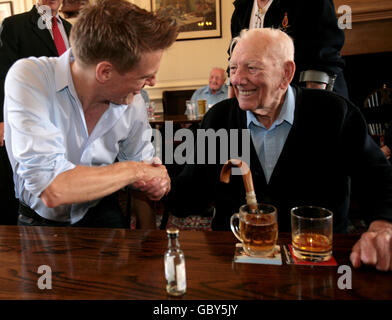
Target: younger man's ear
104	71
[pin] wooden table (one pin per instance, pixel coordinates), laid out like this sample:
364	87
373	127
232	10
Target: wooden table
124	264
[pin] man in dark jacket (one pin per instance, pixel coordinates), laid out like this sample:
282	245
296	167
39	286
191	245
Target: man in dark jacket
306	146
314	29
24	35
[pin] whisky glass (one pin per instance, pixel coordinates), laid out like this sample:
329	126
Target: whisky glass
311	233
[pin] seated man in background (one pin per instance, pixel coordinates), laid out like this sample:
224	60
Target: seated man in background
215	91
306	146
68	119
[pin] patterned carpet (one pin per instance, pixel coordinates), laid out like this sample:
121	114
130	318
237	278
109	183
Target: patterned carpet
188	223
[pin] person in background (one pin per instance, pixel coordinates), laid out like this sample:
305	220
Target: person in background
215	91
314	28
24	35
68	119
298	154
145	96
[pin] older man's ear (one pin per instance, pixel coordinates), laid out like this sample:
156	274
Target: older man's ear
289	70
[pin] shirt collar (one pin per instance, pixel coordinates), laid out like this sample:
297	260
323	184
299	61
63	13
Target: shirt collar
265	8
63	77
208	90
286	113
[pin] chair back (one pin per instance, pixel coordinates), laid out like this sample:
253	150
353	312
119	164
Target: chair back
377	110
173	102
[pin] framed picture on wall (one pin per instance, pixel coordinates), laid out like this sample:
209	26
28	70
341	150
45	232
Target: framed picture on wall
197	19
6	10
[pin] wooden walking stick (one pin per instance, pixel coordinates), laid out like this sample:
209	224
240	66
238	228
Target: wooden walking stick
246	177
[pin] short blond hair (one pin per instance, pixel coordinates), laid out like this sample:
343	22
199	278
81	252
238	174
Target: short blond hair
119	32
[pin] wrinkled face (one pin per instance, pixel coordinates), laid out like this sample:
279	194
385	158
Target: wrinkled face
123	87
53	4
216	80
256	77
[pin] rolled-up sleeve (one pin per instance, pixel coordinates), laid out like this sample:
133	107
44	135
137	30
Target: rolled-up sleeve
34	142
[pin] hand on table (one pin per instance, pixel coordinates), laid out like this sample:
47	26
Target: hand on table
374	247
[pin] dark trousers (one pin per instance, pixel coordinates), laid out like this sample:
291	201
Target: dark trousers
8	202
106	214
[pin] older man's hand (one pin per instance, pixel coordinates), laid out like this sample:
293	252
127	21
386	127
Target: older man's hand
374	247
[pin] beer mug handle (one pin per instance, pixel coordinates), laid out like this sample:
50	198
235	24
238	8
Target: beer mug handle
234	228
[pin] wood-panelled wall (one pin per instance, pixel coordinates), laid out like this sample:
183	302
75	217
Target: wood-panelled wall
371	26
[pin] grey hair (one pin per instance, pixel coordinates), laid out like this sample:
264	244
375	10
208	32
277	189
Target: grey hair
283	42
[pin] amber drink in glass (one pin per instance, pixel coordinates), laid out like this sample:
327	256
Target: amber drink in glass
311	233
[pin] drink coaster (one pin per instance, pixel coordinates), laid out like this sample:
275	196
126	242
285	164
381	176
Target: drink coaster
241	257
292	259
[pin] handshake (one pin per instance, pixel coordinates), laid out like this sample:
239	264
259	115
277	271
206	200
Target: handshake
152	179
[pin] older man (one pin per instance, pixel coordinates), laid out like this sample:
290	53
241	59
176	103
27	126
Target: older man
68	119
215	91
299	154
24	35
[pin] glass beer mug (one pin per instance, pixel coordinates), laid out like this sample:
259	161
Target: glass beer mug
258	232
202	107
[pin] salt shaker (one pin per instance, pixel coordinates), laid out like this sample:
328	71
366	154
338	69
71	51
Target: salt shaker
174	265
